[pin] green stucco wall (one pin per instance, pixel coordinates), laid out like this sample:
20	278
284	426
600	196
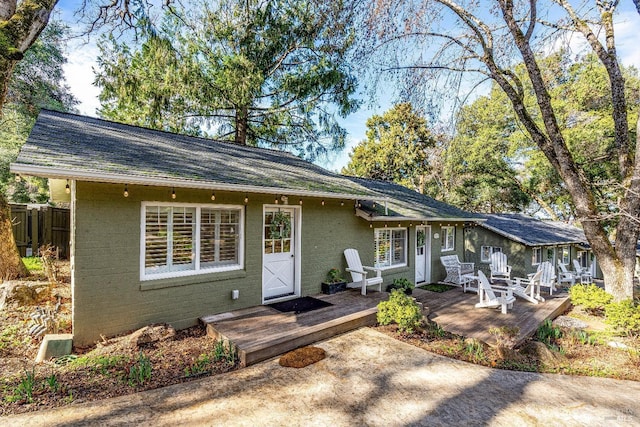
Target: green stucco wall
109	298
438	272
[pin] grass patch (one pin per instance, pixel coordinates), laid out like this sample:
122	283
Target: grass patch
436	287
33	264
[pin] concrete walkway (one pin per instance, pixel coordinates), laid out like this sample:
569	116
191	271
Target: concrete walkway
367	379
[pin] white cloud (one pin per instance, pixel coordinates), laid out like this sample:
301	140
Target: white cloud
81	59
626	25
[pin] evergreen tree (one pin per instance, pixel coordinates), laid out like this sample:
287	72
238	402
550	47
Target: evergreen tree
396	149
258	73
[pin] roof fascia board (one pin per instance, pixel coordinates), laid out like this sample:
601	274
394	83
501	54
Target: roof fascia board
112	178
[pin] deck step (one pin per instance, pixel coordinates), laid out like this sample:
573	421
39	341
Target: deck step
277	344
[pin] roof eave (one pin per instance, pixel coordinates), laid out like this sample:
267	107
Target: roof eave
114	178
529	243
374	218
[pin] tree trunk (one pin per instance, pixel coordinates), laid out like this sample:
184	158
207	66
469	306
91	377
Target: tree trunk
11	265
617	262
6	68
20	26
242	124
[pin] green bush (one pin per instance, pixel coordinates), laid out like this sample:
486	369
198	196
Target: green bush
33	263
140	371
624	317
401	309
403	284
548	334
591	297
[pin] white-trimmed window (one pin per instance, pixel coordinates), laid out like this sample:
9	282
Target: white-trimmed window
486	251
182	239
536	256
390	247
565	255
448	242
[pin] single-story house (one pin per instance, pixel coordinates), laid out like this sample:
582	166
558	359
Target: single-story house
168	228
527	242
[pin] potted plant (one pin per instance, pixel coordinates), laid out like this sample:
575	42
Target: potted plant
334	282
403	284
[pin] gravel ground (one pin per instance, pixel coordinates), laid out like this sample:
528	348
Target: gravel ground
369	379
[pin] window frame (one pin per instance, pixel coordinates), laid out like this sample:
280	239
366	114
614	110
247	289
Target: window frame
492	250
391	246
444	232
197	243
565	250
536	260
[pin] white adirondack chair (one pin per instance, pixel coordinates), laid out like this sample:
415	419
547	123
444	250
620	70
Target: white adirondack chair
455	269
500	270
583	273
548	276
359	272
488	298
566	276
528	288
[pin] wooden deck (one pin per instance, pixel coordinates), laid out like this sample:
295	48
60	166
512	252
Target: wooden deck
455	312
262	332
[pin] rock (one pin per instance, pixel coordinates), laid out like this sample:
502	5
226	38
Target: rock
569	322
616	344
506	353
150	334
24	294
543	353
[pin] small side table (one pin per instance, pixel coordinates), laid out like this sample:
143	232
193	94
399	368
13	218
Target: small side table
469	282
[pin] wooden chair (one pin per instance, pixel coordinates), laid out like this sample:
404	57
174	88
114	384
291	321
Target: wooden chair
500	270
359	272
566	276
455	269
488	298
583	273
528	288
547	277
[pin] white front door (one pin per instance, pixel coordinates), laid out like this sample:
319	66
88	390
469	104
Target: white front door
423	254
279	252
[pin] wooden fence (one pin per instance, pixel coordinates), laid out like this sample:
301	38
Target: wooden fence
37	225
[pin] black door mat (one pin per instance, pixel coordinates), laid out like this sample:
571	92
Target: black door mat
300	305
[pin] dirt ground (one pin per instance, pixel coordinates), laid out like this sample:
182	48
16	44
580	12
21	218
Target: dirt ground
116	367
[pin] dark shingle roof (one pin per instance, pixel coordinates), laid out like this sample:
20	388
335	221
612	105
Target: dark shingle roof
404	202
533	232
84	145
69	146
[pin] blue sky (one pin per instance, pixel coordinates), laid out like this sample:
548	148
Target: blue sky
82	55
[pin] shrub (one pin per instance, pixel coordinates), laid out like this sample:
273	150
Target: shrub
33	264
140	371
591	297
334	276
549	334
401	309
624	317
403	284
